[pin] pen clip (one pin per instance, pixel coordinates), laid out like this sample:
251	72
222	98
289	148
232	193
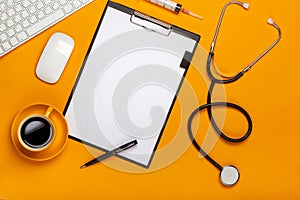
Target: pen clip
125	146
150	23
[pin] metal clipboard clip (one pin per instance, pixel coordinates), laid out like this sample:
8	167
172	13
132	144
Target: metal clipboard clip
150	23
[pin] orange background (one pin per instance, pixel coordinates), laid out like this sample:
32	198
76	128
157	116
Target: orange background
268	161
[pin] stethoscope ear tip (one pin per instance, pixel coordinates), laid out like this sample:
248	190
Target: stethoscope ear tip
270	21
229	175
246	6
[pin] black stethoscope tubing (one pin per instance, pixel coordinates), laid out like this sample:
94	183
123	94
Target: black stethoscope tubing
209	105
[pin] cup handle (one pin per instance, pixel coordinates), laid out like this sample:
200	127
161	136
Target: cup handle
48	111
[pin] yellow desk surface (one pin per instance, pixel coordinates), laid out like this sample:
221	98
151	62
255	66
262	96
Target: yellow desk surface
268	161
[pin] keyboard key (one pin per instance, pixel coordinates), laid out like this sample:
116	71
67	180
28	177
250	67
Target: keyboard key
10	3
40	14
3	37
10	23
39	5
32	9
18	8
48	10
68	8
22	36
55	5
45	22
18	28
25	14
2	7
1	51
11	12
62	2
10	32
47	2
25	23
25	3
3	16
14	41
6	46
76	3
32	19
17	18
2	27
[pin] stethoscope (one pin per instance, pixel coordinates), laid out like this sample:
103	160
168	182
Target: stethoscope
229	175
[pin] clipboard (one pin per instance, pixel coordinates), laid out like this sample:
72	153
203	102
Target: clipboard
128	82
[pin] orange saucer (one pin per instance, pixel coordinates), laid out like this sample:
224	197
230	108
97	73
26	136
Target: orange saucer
60	137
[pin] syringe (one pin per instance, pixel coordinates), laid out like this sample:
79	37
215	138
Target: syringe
174	7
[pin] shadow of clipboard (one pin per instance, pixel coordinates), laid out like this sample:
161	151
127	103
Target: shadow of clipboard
128	82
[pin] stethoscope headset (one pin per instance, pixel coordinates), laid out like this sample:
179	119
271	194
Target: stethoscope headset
229	175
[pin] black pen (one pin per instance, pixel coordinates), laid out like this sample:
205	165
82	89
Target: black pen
110	153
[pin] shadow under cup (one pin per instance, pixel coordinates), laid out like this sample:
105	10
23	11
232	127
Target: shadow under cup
36	132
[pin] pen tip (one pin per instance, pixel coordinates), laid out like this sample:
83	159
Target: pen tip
83	166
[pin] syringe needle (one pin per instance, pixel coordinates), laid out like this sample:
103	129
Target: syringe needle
191	14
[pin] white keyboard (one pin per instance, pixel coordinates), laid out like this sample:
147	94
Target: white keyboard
21	20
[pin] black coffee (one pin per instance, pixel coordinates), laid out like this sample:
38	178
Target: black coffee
36	132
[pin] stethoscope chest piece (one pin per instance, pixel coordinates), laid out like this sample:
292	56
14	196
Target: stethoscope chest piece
229	175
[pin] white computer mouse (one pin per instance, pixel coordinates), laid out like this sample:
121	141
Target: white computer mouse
54	57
